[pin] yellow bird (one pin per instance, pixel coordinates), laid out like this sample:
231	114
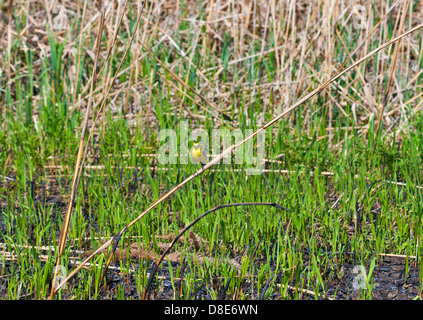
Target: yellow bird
198	155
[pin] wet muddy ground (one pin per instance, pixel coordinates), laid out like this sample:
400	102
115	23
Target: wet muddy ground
391	280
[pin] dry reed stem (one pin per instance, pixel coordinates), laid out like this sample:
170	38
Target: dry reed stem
397	48
233	147
79	163
78	168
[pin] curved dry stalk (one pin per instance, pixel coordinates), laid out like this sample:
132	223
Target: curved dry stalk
266	286
233	147
150	279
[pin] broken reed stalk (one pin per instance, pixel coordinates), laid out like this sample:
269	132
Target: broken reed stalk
79	56
150	279
233	147
109	51
76	174
385	98
103	104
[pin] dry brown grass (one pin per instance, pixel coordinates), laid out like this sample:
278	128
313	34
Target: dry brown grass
301	34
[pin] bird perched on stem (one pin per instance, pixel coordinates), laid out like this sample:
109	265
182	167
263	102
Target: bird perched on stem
198	154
